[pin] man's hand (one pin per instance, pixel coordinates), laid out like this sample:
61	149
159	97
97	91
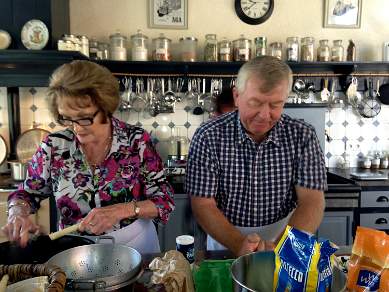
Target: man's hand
253	242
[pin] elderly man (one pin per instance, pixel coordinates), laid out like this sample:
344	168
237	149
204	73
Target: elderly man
254	170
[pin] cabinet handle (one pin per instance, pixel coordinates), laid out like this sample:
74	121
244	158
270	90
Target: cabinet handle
381	199
381	221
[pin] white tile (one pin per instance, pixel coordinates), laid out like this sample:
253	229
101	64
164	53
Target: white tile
336	147
26	117
191	132
163	150
353	131
25	97
352	117
163	133
40	98
337	131
43	116
163	119
195	119
181	104
180	117
337	115
146	119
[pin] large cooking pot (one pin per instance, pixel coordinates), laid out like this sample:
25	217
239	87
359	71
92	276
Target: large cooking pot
18	169
99	266
36	252
255	271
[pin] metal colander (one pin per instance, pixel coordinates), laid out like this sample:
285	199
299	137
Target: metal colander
98	266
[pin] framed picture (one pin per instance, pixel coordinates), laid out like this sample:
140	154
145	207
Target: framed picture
342	13
168	14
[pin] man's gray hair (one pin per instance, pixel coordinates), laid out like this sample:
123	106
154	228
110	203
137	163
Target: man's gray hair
266	68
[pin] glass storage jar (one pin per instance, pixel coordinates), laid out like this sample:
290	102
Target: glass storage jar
225	50
276	50
103	52
188	48
139	51
307	49
292	49
242	49
260	46
117	47
162	48
93	49
210	48
337	51
323	51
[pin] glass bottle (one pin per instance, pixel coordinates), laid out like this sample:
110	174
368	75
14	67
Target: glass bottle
210	48
139	51
323	51
242	49
188	46
178	146
225	50
117	47
307	49
260	46
103	52
337	51
351	51
162	48
292	49
276	50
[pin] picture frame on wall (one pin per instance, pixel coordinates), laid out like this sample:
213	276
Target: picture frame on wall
342	13
170	14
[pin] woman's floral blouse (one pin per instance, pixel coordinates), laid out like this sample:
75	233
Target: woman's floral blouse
132	170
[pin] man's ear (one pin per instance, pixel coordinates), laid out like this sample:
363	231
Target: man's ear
235	94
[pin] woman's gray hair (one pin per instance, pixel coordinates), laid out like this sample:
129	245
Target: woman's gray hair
266	68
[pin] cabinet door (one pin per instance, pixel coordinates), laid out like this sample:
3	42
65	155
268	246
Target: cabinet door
180	222
337	227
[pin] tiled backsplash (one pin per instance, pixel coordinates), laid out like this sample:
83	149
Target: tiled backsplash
346	129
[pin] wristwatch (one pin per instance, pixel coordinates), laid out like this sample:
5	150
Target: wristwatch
136	209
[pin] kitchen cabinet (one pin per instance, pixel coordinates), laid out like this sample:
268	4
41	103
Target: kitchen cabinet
180	222
337	226
374	210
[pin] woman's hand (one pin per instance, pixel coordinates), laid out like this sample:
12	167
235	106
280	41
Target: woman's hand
102	219
19	226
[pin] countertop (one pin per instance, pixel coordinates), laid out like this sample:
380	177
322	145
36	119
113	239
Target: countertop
366	185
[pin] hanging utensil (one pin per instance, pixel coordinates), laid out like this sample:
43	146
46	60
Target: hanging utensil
369	107
384	93
353	96
325	93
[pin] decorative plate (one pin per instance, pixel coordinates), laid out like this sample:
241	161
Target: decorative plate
3	150
35	35
5	39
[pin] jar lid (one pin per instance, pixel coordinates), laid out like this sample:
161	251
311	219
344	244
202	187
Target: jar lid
260	39
292	39
210	36
117	35
139	35
188	39
162	37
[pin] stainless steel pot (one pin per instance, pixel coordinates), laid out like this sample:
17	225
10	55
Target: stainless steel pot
99	266
255	271
18	170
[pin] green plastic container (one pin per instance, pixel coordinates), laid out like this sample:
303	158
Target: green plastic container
213	275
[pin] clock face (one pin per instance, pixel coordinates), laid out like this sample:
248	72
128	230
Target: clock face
254	11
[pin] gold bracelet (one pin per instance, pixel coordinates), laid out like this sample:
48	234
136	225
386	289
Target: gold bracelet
136	209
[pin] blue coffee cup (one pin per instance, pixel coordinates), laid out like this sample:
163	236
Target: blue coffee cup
185	245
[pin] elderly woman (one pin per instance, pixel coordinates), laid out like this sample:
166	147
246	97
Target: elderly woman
102	172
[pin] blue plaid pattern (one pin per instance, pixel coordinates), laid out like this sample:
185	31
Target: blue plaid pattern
254	184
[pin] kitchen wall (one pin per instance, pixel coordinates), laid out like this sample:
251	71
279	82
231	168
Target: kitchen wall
346	130
100	18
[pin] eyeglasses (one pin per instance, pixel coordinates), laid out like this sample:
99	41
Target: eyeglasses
81	122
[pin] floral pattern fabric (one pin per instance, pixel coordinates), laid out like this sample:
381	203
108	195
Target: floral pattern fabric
132	170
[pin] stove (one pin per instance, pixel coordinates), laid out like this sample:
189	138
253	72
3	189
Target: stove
376	175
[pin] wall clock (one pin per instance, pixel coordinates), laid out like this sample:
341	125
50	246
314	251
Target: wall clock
254	11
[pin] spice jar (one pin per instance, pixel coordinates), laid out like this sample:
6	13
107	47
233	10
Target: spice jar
139	49
93	49
260	46
117	47
276	50
188	46
103	52
225	50
210	48
292	49
242	49
307	48
337	51
351	51
84	41
384	162
323	51
162	48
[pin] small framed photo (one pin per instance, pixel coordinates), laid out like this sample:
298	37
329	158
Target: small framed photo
342	13
168	14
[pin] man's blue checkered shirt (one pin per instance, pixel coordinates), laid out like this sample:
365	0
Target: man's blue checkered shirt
254	184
